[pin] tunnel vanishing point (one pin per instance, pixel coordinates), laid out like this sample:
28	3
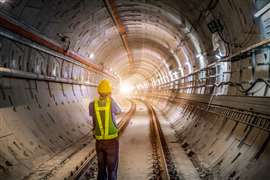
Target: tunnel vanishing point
204	65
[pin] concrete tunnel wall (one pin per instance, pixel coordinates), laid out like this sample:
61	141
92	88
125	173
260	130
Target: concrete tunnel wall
40	118
36	125
220	137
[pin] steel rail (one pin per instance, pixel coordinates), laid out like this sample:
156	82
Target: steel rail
163	165
161	172
77	173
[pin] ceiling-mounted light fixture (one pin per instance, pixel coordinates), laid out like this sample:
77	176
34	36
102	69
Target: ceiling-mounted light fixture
3	1
92	56
262	11
218	56
189	67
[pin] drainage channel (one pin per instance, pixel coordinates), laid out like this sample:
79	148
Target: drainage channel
204	173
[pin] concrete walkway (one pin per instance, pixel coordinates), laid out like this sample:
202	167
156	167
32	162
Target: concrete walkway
135	147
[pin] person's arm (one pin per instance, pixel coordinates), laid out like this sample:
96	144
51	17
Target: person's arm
92	114
115	107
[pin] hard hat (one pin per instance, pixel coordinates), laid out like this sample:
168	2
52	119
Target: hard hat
104	87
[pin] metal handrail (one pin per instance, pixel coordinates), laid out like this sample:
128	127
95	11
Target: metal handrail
240	55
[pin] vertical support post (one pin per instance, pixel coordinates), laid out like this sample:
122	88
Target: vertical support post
253	62
240	72
268	64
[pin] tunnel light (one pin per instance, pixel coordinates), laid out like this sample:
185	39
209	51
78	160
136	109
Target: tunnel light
218	56
189	67
201	59
262	11
92	56
126	88
3	1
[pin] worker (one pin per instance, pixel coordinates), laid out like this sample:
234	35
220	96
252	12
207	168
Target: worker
103	111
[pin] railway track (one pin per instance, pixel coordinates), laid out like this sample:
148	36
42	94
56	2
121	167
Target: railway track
88	168
163	165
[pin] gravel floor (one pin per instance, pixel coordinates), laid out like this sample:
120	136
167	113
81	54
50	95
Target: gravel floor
183	164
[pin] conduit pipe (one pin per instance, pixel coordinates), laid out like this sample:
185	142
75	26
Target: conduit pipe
112	9
16	28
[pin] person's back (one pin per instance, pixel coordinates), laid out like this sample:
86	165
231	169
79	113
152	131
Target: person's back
105	131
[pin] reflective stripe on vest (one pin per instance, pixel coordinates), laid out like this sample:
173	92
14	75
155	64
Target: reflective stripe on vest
109	131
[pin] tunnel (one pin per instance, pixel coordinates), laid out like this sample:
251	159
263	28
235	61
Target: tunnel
200	68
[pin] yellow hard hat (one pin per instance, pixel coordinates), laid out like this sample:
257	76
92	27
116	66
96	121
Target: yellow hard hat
104	87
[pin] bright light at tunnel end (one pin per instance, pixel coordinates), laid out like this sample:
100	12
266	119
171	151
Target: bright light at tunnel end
92	56
126	89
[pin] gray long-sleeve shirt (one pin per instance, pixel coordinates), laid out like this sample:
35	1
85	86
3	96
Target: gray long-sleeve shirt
115	109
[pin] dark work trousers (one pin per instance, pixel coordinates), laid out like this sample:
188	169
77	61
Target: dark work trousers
108	155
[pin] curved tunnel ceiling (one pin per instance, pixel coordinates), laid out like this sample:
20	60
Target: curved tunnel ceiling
45	92
169	33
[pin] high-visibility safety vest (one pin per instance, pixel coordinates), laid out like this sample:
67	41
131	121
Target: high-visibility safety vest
105	128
